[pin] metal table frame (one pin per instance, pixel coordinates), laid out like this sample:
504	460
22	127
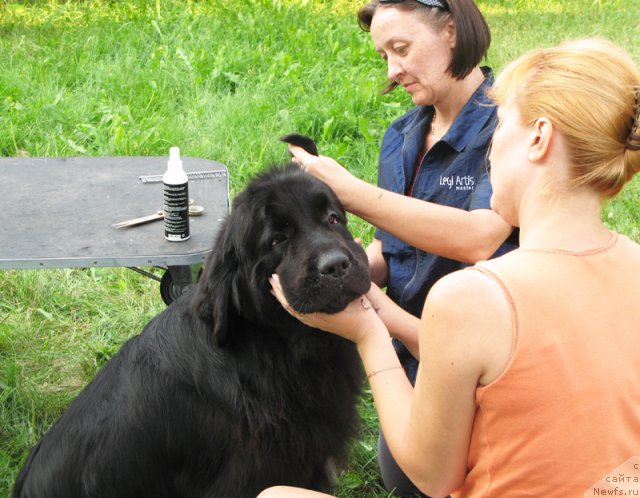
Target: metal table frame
58	212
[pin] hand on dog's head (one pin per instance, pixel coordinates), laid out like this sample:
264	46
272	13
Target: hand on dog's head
301	141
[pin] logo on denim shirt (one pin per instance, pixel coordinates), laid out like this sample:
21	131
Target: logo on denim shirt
466	182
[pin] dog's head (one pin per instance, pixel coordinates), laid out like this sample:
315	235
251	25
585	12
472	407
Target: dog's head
286	222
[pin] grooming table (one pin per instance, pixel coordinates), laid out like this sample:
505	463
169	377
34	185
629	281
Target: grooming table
58	212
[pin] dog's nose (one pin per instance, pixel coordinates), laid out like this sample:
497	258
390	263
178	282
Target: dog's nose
333	264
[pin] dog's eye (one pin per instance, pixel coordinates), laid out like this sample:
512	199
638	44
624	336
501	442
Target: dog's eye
333	219
278	239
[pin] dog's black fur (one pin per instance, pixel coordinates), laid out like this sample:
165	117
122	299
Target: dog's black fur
301	141
224	393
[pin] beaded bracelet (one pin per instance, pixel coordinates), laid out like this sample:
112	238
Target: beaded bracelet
374	372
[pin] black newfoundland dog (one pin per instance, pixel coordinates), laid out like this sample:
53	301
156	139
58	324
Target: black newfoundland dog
224	393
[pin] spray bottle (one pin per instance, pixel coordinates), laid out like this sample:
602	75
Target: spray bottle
176	199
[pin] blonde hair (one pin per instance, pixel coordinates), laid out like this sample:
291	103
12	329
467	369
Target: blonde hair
589	89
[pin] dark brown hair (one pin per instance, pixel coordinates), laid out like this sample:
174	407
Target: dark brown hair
472	32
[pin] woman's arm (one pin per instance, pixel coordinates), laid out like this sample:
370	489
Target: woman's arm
400	324
467	236
465	340
378	268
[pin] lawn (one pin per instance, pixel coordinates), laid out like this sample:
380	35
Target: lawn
222	80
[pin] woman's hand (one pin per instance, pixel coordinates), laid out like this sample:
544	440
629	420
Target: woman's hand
352	323
326	169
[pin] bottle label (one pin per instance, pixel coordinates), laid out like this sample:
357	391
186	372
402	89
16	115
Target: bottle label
176	212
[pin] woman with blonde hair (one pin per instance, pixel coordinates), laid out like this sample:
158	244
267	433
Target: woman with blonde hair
529	384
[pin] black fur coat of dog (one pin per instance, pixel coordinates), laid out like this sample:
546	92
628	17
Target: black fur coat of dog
224	394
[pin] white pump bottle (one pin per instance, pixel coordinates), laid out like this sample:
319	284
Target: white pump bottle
176	199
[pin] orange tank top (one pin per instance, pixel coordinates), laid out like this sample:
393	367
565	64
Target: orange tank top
566	410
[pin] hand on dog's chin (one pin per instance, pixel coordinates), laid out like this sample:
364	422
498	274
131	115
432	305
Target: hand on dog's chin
351	323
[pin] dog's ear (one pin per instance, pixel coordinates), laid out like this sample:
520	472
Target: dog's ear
301	141
214	294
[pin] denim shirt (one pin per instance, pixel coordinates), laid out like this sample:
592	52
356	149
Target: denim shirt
454	172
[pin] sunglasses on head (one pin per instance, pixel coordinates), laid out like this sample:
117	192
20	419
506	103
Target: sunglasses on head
440	4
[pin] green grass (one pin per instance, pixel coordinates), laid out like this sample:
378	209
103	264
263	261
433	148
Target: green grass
222	80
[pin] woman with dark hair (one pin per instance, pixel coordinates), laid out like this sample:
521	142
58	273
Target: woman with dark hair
431	205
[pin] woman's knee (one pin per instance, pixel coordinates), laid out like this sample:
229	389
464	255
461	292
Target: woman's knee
289	492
